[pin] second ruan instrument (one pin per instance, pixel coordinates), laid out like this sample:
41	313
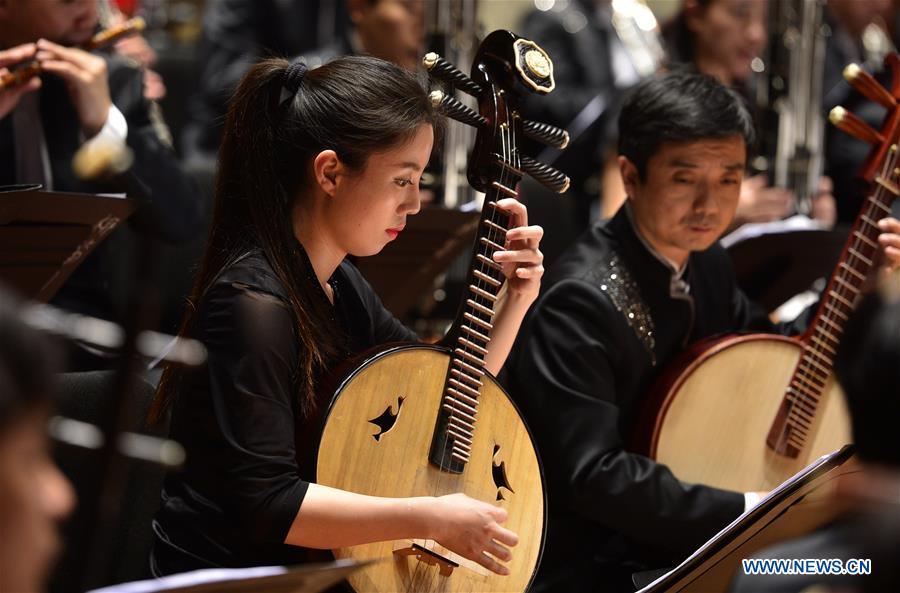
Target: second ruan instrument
420	420
747	412
28	70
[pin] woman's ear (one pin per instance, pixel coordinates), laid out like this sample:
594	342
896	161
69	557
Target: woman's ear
326	167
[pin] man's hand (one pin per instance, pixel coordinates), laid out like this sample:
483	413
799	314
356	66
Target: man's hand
85	75
10	97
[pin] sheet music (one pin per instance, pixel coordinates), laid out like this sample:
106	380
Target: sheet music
798	222
189	579
777	492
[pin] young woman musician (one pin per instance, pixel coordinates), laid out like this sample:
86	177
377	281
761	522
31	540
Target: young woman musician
315	165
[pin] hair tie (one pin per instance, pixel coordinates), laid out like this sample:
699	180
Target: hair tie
293	78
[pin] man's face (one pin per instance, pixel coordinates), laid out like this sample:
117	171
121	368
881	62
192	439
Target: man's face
34	497
67	22
689	193
393	30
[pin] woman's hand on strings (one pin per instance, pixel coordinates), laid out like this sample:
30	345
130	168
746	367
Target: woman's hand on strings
522	260
471	528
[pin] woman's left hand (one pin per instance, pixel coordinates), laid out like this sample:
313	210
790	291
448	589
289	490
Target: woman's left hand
521	259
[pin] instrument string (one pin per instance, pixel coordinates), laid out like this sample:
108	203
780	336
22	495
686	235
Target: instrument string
846	288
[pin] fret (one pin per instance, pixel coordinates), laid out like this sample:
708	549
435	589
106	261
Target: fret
459	423
811	360
801	403
832	309
503	189
827	321
476	334
868	220
888	185
865	239
470	344
488	262
489	243
483	293
469	356
472	380
820	342
799	420
493	225
806	388
459	455
461	446
879	204
479	307
456	411
862	257
852	271
845	283
469	408
844	301
478	321
457	390
468	367
482	276
798	444
458	436
509	166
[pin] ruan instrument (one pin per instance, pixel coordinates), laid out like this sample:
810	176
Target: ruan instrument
421	420
747	412
28	70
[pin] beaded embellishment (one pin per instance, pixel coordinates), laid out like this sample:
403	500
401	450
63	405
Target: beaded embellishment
615	280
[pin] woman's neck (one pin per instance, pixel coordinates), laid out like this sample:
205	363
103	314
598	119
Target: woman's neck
709	65
323	252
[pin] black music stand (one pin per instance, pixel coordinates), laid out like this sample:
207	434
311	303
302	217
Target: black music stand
774	266
797	507
45	235
307	578
407	266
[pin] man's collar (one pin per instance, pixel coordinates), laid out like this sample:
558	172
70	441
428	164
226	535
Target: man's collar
677	273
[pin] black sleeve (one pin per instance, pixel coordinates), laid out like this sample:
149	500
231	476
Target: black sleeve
565	367
252	357
170	207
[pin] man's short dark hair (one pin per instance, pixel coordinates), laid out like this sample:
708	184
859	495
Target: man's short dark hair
680	106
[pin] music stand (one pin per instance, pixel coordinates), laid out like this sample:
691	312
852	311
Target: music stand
775	265
407	266
797	507
45	235
306	578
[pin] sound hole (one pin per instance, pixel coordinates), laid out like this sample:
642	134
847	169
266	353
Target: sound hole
386	421
499	472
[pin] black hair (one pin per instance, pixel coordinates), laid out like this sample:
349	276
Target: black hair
867	365
28	364
680	106
680	41
354	105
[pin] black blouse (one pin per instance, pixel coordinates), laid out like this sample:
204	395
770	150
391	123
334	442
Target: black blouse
239	420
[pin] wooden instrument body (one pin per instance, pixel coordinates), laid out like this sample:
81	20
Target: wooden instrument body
396	464
715	414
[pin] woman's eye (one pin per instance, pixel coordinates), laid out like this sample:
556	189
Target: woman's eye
403	182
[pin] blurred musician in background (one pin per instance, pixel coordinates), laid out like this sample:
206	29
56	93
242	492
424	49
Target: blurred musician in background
34	495
626	299
237	33
82	96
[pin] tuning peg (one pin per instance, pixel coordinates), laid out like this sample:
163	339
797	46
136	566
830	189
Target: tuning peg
440	68
863	82
451	107
851	124
545	174
545	133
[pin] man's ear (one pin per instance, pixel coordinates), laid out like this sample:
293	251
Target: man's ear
630	178
326	167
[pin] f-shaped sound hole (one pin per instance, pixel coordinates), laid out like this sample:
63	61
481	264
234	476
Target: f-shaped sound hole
386	421
499	473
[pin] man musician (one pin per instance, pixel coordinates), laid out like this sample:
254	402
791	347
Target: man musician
627	297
